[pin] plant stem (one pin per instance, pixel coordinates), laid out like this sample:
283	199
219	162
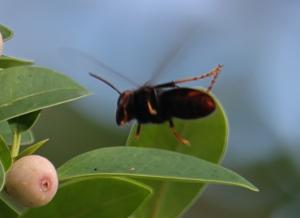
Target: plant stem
16	143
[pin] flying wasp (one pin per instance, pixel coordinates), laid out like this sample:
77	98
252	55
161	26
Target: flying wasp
161	103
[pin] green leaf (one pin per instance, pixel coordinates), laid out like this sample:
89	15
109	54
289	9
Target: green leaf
10	206
6	211
6	62
6	32
208	137
26	89
27	138
5	156
32	149
2	176
6	133
94	197
24	122
149	163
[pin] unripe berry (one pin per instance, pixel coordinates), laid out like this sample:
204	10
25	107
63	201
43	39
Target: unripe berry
32	181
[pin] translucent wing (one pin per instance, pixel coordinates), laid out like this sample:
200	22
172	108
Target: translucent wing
171	54
78	56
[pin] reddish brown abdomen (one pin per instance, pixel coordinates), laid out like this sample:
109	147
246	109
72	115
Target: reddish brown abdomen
186	103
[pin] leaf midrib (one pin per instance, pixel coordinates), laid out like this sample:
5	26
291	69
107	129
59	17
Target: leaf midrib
33	95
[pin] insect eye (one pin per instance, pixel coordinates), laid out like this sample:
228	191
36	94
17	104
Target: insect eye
122	101
120	115
119	102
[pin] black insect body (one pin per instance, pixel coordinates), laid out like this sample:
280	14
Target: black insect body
160	103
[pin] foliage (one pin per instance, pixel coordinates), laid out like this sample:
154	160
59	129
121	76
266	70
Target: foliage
152	177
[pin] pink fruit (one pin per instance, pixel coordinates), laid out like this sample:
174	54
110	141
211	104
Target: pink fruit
32	181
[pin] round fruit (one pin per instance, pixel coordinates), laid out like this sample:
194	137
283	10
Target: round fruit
32	181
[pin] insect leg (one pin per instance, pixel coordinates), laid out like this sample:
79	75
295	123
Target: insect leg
138	131
153	110
177	134
213	73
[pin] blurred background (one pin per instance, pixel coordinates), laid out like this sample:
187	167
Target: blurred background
257	41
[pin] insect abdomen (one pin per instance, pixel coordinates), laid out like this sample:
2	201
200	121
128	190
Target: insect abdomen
186	103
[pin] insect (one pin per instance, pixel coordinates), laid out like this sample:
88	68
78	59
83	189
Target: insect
161	103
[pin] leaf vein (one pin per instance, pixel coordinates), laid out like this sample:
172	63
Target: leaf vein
34	94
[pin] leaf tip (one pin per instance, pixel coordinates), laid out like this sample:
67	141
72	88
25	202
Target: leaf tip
255	189
251	187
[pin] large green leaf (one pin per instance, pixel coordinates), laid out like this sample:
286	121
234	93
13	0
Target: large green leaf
149	163
208	137
10	206
6	32
6	211
6	62
26	89
6	133
24	122
2	176
94	197
32	148
5	156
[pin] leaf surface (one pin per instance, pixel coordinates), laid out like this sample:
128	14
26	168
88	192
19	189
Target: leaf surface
6	32
208	137
6	62
94	197
24	122
6	133
26	89
148	163
2	176
32	148
5	157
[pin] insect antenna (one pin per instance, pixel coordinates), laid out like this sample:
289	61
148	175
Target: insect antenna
106	82
80	58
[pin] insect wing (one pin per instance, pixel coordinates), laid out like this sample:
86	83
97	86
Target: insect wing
171	54
85	62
